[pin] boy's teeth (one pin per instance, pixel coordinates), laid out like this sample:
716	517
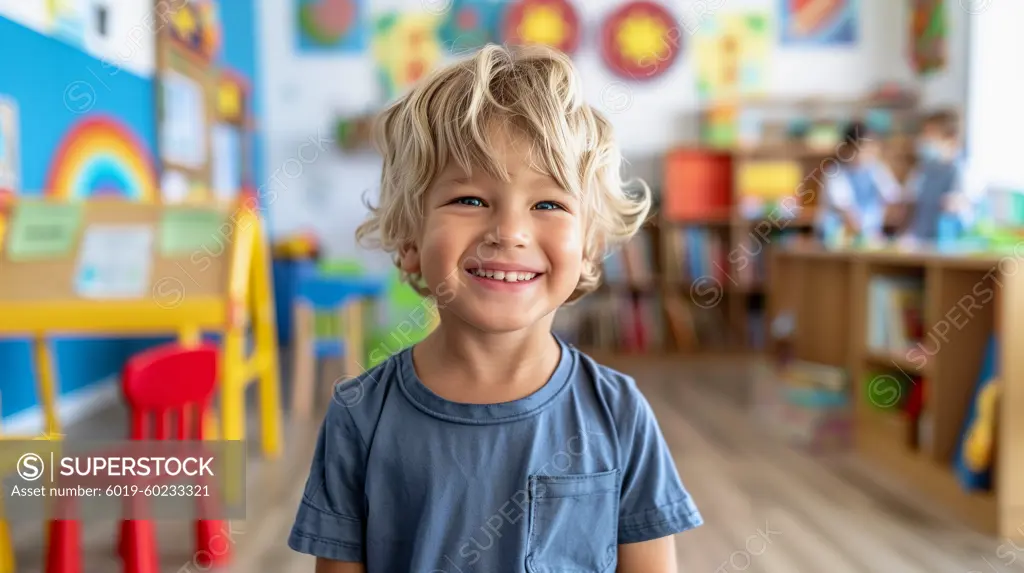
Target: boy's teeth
510	276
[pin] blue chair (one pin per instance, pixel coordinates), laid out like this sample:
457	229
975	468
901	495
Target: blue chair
341	298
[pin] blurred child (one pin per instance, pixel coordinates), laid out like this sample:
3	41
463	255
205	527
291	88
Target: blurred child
936	187
858	195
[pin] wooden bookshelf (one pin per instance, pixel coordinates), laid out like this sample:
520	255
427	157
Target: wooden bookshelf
965	300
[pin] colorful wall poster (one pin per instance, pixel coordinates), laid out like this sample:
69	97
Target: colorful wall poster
114	261
470	24
406	48
928	33
818	22
330	25
183	126
10	141
640	40
195	27
42	230
549	22
733	52
101	157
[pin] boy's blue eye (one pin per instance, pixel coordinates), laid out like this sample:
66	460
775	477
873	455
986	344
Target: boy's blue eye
470	201
548	205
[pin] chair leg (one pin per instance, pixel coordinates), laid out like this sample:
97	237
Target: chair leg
7	564
64	551
139	551
213	548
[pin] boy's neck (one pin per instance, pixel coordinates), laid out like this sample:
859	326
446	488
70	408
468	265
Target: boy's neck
462	364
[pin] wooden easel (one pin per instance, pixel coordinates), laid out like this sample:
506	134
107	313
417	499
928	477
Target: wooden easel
222	287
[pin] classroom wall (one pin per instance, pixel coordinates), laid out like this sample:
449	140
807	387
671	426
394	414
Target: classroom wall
303	92
995	114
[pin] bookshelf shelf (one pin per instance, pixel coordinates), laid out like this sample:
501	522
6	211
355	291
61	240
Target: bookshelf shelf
896	360
965	302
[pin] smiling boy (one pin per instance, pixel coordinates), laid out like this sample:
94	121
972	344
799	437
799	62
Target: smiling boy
492	446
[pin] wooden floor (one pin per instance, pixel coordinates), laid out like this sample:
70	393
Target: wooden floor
768	508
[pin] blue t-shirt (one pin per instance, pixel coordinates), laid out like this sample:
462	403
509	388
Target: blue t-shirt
404	480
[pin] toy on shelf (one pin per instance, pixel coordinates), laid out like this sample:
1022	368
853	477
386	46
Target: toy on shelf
977	450
302	246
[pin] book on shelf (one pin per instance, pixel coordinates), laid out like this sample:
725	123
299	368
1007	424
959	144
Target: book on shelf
613	322
895	307
633	264
695	253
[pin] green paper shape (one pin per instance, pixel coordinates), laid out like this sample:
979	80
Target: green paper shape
44	230
184	231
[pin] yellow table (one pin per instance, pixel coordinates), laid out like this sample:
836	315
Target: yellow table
226	292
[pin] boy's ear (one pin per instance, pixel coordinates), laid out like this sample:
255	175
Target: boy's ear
409	258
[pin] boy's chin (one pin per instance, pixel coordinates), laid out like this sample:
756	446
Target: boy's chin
492	320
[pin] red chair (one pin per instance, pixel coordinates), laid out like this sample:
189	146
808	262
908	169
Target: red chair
168	390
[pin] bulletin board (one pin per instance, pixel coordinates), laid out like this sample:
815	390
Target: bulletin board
61	251
186	100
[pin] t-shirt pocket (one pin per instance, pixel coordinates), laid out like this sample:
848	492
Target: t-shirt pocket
573	523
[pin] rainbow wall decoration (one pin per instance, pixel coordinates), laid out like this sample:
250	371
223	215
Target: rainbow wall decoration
100	157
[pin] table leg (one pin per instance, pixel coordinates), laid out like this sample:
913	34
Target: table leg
352	317
47	383
303	360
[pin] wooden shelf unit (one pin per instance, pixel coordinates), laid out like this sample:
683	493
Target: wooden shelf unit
966	299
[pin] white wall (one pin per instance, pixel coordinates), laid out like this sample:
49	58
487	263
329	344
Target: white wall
995	115
304	93
130	41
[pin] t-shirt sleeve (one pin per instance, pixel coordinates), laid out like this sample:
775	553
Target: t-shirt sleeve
653	501
331	515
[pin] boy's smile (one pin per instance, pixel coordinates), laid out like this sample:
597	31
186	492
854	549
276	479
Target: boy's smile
508	248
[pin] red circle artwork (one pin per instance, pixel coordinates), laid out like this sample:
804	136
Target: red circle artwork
640	40
551	22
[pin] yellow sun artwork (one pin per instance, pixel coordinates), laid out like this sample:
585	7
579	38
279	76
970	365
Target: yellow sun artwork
543	25
643	37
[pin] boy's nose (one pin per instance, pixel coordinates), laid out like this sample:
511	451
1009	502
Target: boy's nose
508	233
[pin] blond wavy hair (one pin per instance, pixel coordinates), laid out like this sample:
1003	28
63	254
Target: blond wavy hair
533	90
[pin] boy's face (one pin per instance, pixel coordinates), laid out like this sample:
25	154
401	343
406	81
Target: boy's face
527	234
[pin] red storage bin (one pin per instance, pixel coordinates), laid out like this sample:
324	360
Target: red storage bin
698	185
